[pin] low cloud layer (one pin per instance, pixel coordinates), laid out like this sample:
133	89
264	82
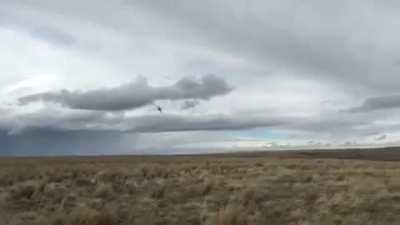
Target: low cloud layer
188	104
378	103
53	36
56	133
101	121
174	123
134	95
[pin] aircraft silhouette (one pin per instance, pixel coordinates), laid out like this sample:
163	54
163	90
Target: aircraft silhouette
159	108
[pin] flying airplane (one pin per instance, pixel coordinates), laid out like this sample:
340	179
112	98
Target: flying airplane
159	109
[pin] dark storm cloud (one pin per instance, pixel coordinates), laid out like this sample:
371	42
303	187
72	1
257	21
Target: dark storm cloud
52	132
53	36
100	133
134	95
56	142
377	103
59	120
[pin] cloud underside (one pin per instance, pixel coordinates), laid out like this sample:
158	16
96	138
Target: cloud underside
53	36
378	103
99	121
93	132
102	133
339	125
135	95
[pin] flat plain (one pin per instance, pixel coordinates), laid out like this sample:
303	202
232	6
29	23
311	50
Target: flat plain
294	187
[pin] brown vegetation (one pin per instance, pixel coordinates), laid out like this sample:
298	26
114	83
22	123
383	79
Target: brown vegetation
198	191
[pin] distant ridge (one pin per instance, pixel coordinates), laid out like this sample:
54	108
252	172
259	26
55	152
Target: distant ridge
374	154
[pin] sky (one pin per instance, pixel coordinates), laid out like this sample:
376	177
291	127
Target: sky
87	77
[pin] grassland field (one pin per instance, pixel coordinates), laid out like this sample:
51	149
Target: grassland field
343	187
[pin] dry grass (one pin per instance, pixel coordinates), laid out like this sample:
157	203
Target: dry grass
198	191
231	215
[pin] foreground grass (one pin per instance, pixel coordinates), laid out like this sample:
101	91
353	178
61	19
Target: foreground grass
197	191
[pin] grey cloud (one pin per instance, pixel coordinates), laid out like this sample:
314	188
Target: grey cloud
45	141
329	125
41	142
56	132
52	133
319	45
174	123
53	35
336	125
79	120
333	126
134	95
349	45
381	138
341	126
359	46
377	103
20	18
98	121
58	120
188	104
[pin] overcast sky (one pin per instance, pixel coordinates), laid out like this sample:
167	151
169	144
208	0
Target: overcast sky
87	77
